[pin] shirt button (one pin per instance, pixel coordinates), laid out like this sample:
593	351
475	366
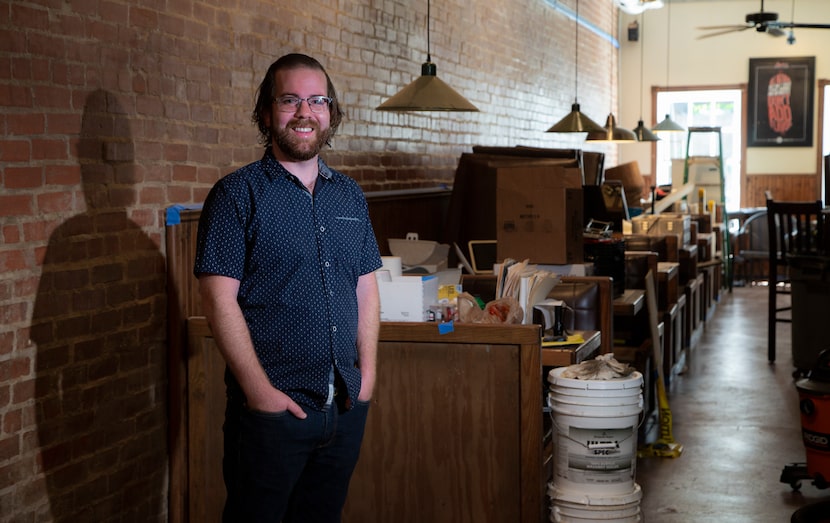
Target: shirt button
322	229
327	265
334	328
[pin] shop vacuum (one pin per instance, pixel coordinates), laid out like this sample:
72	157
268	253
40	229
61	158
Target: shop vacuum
814	404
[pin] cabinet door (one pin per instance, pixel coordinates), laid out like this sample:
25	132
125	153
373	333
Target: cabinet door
443	437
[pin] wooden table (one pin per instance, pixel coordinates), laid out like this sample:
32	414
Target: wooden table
630	303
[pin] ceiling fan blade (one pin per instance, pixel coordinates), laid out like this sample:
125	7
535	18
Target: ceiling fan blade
734	29
795	25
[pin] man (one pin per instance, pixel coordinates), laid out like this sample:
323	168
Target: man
285	260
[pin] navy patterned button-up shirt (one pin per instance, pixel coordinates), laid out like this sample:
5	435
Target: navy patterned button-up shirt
298	257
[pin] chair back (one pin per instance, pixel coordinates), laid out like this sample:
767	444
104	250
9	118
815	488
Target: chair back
794	228
753	236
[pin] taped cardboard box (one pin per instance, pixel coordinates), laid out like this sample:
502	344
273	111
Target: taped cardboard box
472	211
539	214
663	224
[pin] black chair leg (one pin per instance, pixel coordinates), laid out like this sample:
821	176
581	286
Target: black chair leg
772	306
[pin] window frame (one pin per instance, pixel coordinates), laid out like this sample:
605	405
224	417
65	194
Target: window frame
741	160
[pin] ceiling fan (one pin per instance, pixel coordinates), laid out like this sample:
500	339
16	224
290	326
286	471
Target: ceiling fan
762	22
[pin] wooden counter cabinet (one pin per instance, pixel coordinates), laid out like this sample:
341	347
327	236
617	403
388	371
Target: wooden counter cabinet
454	432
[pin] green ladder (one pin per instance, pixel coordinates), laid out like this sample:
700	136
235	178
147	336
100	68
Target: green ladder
717	161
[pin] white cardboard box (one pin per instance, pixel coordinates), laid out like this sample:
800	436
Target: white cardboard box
406	298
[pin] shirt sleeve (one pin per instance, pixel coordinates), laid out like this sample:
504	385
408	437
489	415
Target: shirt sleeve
371	254
220	241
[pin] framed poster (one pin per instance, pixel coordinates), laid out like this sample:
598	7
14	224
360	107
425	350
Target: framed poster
781	92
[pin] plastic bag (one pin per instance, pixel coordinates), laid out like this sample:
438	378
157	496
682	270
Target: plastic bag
502	310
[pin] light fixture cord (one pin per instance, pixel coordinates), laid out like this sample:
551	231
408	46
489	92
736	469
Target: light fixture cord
576	54
429	57
611	83
642	45
668	39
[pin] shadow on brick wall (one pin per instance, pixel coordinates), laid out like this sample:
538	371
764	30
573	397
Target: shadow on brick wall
99	326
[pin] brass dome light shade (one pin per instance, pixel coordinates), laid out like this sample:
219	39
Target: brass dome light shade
668	126
575	122
643	134
611	132
427	93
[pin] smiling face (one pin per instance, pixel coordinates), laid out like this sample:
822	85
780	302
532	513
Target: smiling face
298	136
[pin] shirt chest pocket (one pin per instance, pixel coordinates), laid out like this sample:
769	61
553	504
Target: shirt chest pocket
347	238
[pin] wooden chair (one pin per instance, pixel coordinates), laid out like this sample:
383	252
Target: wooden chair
795	228
751	248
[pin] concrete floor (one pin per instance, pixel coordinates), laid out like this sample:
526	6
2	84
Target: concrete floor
737	417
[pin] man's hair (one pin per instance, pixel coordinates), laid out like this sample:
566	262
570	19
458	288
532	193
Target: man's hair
267	91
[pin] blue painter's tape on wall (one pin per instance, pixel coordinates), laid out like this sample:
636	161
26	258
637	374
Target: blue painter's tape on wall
174	216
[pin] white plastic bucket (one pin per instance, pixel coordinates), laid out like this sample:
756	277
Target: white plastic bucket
595	423
569	507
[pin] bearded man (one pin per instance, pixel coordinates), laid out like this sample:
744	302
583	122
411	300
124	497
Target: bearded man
285	258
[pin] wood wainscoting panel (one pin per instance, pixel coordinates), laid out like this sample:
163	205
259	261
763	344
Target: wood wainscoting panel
784	187
182	302
396	213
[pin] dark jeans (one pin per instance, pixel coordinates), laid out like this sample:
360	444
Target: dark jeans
279	468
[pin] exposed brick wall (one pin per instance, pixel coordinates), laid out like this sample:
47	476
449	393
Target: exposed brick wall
112	110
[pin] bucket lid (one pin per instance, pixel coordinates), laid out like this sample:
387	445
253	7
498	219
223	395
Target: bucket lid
560	396
633	380
599	500
816	387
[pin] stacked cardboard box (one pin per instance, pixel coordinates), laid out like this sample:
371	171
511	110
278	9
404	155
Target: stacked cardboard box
532	205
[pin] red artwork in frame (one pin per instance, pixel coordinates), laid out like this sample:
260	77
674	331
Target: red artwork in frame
781	94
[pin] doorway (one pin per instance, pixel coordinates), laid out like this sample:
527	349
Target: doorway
703	107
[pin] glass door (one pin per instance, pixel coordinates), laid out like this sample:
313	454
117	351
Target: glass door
702	108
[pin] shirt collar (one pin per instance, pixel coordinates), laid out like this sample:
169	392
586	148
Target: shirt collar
276	168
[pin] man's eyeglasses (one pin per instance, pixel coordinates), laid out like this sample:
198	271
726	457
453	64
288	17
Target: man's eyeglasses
290	104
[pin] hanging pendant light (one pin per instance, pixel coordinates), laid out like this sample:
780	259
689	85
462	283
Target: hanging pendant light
668	125
611	132
575	121
428	92
641	132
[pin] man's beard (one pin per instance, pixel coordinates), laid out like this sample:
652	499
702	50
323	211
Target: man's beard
297	149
